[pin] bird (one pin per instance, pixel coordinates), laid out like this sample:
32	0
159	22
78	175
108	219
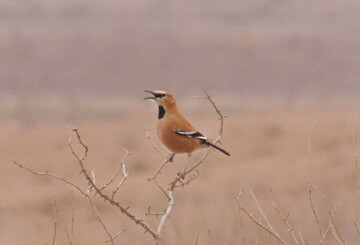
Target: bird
174	130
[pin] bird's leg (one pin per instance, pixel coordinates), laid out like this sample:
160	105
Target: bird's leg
158	171
171	157
182	174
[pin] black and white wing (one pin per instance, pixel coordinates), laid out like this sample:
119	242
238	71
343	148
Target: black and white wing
201	137
191	134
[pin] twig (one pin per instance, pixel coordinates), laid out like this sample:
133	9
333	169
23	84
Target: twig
267	228
86	148
356	154
357	228
162	190
62	179
332	223
301	238
107	198
264	215
158	171
55	222
167	197
90	188
221	116
310	150
116	235
120	168
190	179
209	236
323	235
71	235
197	239
335	229
149	213
195	166
153	144
286	221
111	237
337	233
322	240
125	175
315	215
169	208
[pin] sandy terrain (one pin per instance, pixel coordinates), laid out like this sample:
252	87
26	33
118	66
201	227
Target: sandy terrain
269	157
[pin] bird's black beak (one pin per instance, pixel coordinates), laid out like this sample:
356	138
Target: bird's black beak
149	98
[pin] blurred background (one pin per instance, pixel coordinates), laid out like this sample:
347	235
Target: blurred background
273	66
61	55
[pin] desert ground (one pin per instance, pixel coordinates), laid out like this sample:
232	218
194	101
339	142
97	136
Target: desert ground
279	154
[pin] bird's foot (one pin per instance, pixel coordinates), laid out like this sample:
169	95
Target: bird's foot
181	174
171	158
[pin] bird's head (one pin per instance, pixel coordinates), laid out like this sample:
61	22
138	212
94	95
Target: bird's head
162	98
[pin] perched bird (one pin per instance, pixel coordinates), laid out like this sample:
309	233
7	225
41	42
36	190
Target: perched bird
174	131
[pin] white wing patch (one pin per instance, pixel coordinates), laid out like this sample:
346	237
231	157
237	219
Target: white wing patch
190	134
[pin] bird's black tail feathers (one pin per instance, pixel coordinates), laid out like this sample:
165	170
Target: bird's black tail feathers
217	148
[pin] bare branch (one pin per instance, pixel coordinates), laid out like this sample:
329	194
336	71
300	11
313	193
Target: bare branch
71	235
105	197
55	222
315	215
158	171
169	208
209	236
111	237
122	181
116	235
267	228
197	239
328	227
301	238
335	229
86	148
310	149
332	223
62	179
92	175
357	228
221	116
122	168
190	179
150	213
286	221
153	144
264	216
356	154
162	190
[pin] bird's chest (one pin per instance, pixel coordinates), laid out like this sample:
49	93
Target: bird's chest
173	141
165	130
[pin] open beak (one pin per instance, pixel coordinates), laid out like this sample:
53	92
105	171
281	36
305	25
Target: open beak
149	98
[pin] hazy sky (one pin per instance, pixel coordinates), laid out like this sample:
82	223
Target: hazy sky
267	47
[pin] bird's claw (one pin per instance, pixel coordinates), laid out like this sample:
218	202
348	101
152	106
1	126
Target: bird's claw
181	175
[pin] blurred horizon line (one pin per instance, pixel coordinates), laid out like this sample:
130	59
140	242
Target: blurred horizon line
32	109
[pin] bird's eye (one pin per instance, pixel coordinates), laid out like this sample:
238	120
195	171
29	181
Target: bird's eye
160	95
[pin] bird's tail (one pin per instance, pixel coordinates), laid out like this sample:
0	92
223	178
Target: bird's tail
217	148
